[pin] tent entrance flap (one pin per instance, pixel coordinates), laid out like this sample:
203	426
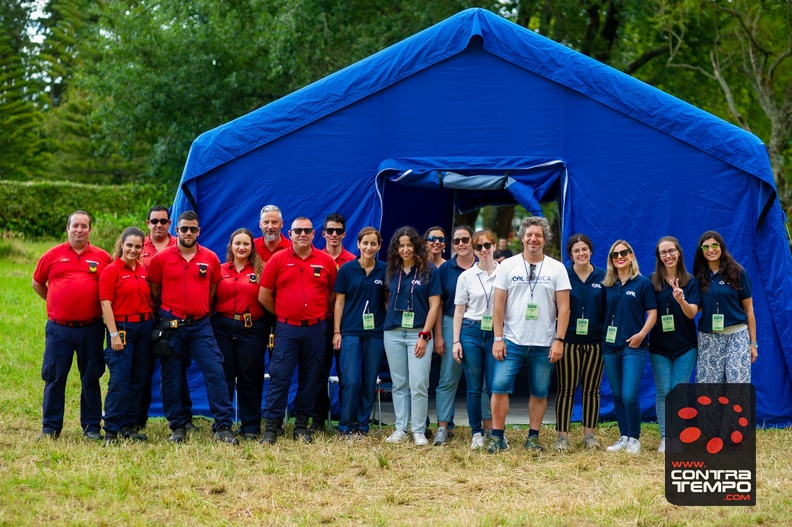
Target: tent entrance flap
480	181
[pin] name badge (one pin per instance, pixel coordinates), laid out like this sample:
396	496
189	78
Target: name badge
532	312
610	336
317	270
202	268
668	323
717	322
581	328
368	320
408	319
486	323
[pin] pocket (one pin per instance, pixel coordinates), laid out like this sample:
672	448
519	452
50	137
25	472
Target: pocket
48	371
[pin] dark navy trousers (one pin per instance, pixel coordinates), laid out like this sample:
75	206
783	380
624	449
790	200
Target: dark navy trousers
128	370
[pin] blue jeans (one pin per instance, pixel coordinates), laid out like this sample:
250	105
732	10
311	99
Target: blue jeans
539	369
196	342
62	342
128	370
624	369
450	373
668	372
243	364
300	347
361	358
410	377
478	363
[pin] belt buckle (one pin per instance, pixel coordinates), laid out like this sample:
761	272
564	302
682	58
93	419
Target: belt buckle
237	317
304	323
174	324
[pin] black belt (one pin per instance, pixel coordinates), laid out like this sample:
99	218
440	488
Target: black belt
189	321
75	323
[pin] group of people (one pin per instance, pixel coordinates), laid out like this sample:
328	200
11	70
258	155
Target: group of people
311	307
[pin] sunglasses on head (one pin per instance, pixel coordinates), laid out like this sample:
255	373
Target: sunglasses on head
435	239
464	239
155	221
710	246
622	253
485	245
302	230
334	231
184	229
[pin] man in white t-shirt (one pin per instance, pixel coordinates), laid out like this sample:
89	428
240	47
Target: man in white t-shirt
530	317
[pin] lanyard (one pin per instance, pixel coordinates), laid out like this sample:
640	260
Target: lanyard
486	295
536	276
618	301
398	291
717	292
585	291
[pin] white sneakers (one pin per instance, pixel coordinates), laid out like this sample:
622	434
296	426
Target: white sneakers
396	437
619	445
478	441
420	439
661	448
633	446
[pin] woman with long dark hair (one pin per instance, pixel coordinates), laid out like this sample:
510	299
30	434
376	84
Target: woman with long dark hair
412	310
436	240
672	343
727	327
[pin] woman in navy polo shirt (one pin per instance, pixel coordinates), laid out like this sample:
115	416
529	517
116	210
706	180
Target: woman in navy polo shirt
672	343
358	319
630	313
435	245
727	327
240	330
125	297
582	358
413	307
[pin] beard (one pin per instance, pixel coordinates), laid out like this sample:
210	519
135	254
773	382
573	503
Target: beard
271	237
187	243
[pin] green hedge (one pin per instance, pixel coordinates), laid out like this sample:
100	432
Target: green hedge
40	209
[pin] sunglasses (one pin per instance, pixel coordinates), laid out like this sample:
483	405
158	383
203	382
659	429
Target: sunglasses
485	245
669	252
622	253
155	221
334	231
464	239
435	239
302	230
184	229
710	246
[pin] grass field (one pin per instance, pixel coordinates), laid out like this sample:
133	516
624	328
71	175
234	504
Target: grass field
72	482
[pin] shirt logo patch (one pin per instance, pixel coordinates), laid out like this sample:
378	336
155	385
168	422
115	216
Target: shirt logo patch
596	285
64	260
378	282
92	266
630	293
253	278
202	268
317	269
416	282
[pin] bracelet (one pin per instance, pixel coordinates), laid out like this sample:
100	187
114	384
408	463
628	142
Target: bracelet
457	341
755	344
336	332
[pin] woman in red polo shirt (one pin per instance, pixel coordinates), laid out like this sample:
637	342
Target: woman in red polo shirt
125	298
240	329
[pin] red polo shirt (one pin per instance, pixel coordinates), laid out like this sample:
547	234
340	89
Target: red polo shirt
237	292
340	260
72	281
301	287
185	285
126	288
265	253
149	250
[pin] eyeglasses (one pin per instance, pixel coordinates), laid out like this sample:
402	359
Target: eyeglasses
334	231
622	253
464	239
302	230
155	221
485	245
715	245
435	239
669	252
184	229
579	251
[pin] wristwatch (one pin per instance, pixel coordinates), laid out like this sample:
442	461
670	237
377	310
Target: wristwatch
559	339
426	335
114	334
498	339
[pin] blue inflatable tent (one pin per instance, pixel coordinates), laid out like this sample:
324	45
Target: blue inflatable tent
477	110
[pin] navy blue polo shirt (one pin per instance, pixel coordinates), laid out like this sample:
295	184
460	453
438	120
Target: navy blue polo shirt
363	294
413	295
683	338
625	308
586	300
722	298
449	276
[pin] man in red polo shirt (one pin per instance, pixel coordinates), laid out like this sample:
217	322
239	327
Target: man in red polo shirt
67	278
158	222
271	240
296	285
183	280
334	231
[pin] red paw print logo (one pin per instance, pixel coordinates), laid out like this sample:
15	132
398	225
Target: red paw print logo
692	434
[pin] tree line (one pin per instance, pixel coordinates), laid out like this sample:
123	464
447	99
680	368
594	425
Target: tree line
115	91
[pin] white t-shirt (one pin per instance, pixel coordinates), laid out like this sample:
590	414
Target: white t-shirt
512	276
475	289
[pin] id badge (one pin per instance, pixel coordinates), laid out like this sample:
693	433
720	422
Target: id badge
486	323
122	336
668	323
610	337
408	318
532	312
581	328
717	322
368	321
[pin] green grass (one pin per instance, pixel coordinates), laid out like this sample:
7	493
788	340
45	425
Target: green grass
72	482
